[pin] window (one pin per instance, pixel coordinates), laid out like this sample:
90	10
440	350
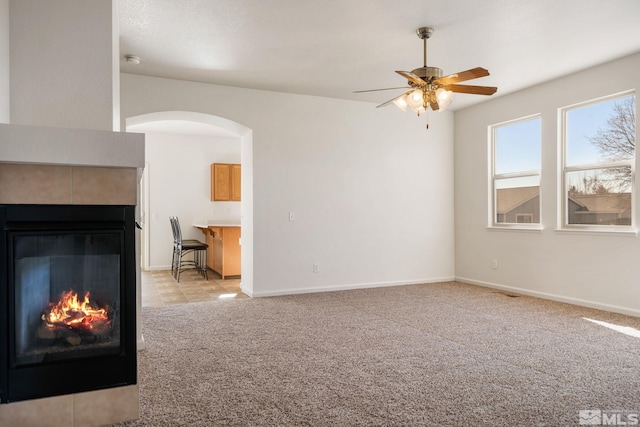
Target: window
524	218
599	158
516	172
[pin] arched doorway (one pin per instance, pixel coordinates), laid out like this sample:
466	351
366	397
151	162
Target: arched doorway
200	123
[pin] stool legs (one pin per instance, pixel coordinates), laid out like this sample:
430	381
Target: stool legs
199	263
202	264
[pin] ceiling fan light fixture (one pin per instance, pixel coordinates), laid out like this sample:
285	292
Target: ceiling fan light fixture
428	88
401	102
415	99
444	98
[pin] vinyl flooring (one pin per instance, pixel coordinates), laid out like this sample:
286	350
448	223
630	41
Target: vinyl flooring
160	289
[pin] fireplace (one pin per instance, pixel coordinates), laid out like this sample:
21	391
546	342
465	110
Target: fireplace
67	299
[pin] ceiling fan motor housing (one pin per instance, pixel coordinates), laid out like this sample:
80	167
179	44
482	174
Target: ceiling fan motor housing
428	74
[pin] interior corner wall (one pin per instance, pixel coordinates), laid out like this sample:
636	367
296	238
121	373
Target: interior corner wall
600	271
371	189
4	62
62	74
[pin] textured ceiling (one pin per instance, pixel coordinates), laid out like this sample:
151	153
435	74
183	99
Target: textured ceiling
333	47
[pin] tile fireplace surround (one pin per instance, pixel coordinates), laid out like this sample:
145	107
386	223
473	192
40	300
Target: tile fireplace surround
70	166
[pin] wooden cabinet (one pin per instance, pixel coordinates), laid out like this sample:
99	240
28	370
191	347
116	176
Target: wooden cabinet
223	253
226	182
236	182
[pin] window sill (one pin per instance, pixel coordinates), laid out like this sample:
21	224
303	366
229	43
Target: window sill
632	232
516	227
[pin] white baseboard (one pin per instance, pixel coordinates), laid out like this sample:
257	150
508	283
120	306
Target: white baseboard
553	297
293	291
246	291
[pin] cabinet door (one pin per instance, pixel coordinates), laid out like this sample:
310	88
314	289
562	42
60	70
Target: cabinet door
236	181
221	182
232	265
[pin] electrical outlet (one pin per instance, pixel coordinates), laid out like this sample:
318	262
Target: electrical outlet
494	264
316	268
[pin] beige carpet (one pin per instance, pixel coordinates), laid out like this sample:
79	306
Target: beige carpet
444	354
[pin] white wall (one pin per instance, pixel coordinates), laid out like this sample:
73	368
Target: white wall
179	185
115	68
588	269
371	188
62	63
4	62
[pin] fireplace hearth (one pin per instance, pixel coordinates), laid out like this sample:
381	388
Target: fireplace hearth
67	299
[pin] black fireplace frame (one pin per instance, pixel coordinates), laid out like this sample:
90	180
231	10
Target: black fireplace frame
58	377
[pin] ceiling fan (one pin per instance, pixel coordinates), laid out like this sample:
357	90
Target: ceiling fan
428	88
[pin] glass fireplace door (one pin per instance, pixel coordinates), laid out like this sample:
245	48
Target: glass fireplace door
67	295
67	299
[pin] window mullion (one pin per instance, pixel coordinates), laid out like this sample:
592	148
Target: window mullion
516	174
608	165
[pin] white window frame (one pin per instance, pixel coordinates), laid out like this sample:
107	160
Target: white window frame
493	177
564	170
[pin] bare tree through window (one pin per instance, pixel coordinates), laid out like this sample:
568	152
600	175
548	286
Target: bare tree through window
617	141
599	156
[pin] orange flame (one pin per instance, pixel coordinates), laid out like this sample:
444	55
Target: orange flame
74	313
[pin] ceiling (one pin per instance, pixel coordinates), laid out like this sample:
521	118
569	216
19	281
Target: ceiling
332	47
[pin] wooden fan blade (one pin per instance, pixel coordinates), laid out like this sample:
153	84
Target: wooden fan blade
376	90
434	104
393	99
412	77
474	90
462	76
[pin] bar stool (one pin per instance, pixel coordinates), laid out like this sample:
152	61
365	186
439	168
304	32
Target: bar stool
186	247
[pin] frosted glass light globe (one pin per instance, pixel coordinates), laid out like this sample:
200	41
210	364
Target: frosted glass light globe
414	99
444	98
401	102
